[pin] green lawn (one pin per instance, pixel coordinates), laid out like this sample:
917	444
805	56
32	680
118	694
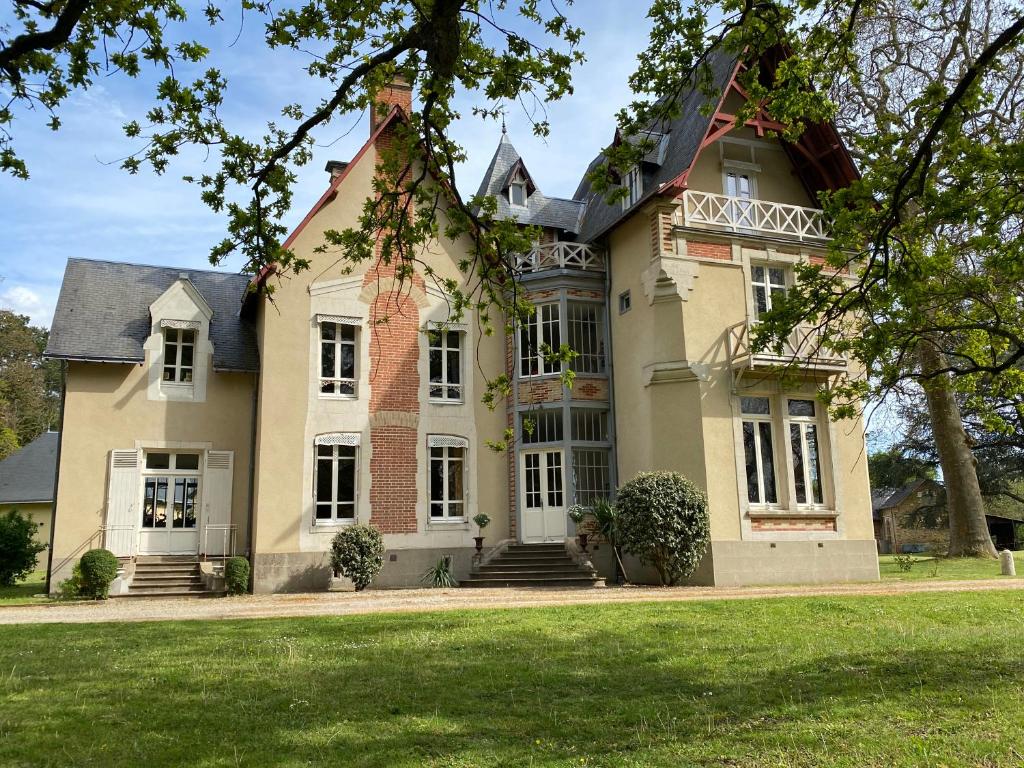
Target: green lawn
926	567
22	592
926	679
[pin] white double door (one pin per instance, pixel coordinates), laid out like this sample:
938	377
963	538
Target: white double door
170	515
543	495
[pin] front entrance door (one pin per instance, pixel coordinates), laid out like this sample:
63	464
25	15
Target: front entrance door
543	490
170	509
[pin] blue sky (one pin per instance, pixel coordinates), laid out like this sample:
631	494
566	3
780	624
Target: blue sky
78	203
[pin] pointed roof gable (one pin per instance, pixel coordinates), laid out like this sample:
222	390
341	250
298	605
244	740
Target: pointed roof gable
819	157
540	210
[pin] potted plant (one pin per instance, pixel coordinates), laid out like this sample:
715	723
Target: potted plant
482	521
578	513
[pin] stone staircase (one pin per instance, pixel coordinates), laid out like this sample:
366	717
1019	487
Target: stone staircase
168	576
533	565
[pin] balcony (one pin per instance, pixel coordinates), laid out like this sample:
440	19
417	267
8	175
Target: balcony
706	210
802	348
561	256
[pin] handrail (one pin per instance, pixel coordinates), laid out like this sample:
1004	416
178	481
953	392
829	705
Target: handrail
803	344
737	214
227	533
561	255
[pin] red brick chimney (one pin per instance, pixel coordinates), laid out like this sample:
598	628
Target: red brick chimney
397	93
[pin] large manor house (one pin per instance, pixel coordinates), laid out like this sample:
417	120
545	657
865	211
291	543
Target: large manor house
202	420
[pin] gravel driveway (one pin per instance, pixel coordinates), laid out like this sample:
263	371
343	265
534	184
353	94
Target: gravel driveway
409	600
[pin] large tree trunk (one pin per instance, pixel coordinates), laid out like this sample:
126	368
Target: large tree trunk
968	530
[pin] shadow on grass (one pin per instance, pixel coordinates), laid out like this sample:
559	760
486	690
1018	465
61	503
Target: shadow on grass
614	685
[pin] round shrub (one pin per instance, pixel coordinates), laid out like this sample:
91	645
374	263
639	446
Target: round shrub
663	520
236	575
19	549
358	553
99	568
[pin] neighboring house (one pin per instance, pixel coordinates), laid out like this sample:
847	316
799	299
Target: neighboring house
900	515
26	482
200	419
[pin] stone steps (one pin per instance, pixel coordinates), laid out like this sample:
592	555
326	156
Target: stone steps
168	576
533	565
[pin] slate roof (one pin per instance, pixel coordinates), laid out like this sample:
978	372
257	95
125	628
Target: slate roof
685	134
28	475
103	312
541	210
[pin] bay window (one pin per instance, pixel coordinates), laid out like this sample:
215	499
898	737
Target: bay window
591	474
586	336
539	336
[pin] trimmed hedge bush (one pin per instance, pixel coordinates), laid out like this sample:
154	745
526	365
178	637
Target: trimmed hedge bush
99	568
358	553
663	520
236	575
19	549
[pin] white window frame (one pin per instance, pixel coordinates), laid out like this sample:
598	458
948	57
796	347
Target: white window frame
443	336
633	181
444	445
179	345
767	284
336	441
534	327
520	184
337	382
756	419
170	473
804	424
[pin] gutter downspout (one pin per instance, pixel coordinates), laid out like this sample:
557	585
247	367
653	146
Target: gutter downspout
252	482
56	474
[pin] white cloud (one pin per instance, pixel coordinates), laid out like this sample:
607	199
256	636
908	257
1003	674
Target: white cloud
25	301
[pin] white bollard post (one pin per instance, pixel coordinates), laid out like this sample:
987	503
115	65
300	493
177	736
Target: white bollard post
1006	566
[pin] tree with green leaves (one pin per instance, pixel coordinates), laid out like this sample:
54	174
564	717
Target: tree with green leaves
893	468
926	260
29	385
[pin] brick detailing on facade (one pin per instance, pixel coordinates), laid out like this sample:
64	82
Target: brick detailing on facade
540	391
701	250
799	524
510	448
581	293
393	479
397	94
590	389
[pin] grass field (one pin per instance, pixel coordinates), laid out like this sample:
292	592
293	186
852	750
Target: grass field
929	680
942	568
22	592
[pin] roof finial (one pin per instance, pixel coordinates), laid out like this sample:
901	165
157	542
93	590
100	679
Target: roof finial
503	129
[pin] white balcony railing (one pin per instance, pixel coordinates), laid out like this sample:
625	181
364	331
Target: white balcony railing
802	347
561	256
736	214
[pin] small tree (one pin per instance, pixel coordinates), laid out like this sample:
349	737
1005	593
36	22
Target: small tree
19	549
663	520
358	553
99	568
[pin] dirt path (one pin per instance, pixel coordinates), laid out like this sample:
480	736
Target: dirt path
412	600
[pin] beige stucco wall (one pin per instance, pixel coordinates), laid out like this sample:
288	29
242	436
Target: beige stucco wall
40	514
291	412
106	408
676	400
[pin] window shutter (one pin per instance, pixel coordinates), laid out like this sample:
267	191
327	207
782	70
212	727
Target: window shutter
217	481
122	500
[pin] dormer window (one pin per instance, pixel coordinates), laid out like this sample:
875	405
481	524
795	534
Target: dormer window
179	355
633	181
517	193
